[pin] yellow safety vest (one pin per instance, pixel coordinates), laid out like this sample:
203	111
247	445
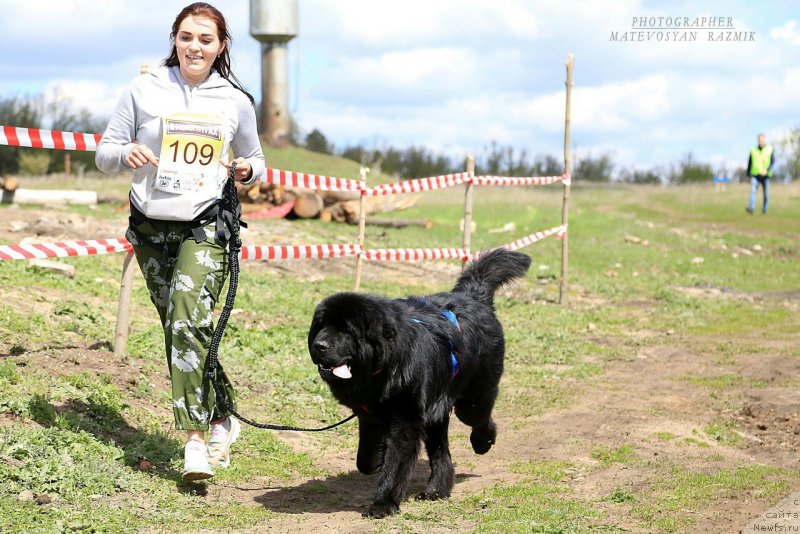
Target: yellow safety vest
760	159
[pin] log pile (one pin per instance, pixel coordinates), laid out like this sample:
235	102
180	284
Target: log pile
337	206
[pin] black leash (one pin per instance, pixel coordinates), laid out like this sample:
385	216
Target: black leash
232	211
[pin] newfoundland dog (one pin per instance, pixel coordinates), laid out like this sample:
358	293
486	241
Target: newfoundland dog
402	365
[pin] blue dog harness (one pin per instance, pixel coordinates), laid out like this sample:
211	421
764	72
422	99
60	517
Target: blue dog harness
450	316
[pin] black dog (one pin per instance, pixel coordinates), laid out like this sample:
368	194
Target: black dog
402	365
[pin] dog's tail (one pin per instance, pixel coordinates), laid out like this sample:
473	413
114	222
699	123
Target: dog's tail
491	270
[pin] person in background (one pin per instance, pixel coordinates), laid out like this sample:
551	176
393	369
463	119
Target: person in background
175	127
759	169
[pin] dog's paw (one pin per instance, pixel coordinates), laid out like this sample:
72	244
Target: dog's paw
482	439
431	495
381	510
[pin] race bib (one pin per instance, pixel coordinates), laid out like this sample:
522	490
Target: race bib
190	152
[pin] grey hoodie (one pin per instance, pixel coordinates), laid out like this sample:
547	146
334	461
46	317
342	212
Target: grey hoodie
137	120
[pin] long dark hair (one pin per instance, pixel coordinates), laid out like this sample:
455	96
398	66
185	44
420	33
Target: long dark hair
223	62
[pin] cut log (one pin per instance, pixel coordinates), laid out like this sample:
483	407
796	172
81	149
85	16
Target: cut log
332	197
51	197
398	223
350	210
252	192
339	206
9	183
275	193
51	266
308	205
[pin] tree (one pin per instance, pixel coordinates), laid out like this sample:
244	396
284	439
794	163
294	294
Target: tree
594	169
61	114
690	171
637	176
790	146
418	162
505	161
55	111
317	142
357	154
18	111
391	161
547	166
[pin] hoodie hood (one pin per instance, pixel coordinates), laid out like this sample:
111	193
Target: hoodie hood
173	75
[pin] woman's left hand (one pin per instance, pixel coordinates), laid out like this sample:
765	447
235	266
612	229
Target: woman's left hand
243	168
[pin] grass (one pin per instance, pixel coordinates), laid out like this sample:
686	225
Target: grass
608	456
301	160
670	504
76	429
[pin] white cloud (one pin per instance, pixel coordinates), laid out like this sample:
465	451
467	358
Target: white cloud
789	33
428	66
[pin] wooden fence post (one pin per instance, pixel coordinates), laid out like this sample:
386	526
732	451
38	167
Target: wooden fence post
124	306
562	290
362	227
468	206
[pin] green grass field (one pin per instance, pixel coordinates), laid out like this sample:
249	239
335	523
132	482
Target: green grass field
680	308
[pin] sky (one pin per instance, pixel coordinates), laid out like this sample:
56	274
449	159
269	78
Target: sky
453	76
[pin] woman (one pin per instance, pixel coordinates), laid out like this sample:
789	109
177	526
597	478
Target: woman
175	128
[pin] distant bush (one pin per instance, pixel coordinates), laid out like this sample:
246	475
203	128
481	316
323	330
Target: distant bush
636	176
34	163
690	171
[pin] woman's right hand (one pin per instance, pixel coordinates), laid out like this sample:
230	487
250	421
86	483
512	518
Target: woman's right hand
139	156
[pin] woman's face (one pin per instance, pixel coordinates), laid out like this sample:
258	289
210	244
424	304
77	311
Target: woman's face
197	45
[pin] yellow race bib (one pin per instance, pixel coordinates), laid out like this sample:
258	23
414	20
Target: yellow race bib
190	151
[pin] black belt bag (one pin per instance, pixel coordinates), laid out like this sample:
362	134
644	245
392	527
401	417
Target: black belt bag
219	212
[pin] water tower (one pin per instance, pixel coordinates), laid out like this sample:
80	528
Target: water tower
274	24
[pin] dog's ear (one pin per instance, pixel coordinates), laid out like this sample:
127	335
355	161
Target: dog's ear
381	334
317	322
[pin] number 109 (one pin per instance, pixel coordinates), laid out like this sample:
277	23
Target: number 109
192	153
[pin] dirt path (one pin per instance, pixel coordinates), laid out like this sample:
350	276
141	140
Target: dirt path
629	404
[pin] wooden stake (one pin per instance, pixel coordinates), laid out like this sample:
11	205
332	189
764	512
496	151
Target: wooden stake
67	164
562	290
468	207
124	306
362	227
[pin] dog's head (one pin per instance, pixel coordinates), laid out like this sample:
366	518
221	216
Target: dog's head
351	336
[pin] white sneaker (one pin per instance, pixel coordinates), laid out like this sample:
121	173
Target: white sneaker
223	435
195	463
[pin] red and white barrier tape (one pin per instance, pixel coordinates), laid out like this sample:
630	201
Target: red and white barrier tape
558	231
311	181
414	254
93	247
89	247
55	139
514	180
419	185
299	252
36	138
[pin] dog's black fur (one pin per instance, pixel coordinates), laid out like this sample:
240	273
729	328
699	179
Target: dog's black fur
402	385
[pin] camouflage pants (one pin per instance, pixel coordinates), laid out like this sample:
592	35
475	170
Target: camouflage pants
185	279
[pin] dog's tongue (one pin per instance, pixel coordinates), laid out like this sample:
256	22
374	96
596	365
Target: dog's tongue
343	371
